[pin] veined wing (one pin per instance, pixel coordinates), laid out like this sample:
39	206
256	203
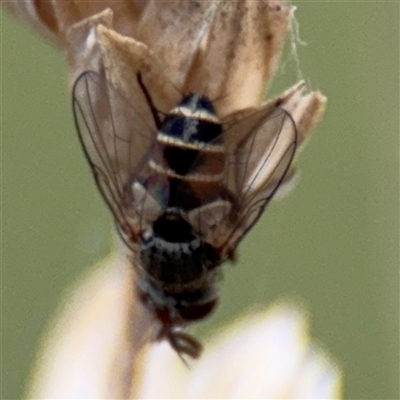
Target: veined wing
116	143
260	148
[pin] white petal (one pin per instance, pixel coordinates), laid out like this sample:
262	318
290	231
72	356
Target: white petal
263	357
317	377
89	352
164	375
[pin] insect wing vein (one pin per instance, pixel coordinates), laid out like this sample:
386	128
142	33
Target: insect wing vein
115	141
258	164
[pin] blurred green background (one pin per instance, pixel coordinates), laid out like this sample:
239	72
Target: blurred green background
333	244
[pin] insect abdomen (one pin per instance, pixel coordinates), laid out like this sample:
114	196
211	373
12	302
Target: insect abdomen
174	256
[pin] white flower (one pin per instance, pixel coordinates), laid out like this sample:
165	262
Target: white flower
93	351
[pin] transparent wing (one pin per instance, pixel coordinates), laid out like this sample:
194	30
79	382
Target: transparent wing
260	150
116	143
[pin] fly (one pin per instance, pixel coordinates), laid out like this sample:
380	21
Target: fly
183	189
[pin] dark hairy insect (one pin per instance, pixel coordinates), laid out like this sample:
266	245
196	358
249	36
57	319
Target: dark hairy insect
184	188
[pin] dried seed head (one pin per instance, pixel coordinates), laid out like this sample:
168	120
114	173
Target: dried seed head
226	50
52	19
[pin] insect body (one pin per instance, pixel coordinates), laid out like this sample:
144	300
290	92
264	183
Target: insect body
184	190
179	265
